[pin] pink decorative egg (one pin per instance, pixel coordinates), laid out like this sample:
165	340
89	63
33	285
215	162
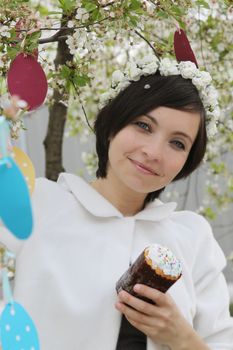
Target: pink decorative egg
27	80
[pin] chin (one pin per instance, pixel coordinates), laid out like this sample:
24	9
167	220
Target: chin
142	189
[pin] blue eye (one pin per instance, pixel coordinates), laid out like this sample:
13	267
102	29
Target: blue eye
178	144
143	125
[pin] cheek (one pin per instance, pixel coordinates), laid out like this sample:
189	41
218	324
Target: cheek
115	151
176	163
124	142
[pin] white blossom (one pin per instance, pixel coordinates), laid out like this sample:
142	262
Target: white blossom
229	124
4	31
123	85
82	14
70	24
22	104
209	96
187	69
117	76
133	72
104	97
15	129
211	128
147	59
150	7
201	79
150	68
82	52
168	67
77	43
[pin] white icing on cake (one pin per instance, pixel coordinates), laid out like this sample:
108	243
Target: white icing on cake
163	258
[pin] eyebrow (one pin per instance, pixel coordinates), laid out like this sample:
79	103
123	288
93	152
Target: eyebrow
154	121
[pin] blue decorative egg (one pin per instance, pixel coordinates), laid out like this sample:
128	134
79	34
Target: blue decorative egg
15	204
17	329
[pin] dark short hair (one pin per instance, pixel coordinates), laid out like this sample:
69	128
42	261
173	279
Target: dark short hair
167	91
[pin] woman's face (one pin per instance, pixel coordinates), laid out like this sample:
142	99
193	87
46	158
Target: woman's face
149	152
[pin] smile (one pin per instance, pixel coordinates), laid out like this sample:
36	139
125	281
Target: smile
142	168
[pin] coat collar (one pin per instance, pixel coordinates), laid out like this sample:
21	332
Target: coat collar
97	205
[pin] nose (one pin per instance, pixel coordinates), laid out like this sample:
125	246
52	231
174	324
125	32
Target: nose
154	149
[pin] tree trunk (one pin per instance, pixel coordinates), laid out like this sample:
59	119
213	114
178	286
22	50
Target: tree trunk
57	117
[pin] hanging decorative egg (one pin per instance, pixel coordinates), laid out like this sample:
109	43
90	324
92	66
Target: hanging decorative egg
27	80
18	331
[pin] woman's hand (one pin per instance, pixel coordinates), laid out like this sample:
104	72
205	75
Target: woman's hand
162	322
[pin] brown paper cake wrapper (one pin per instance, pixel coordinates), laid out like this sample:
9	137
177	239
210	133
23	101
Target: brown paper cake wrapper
141	272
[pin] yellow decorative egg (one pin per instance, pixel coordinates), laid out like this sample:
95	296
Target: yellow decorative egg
25	165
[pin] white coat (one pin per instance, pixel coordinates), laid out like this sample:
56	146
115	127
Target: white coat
67	270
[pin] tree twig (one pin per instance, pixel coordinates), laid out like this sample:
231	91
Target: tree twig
83	109
58	37
53	39
202	54
147	41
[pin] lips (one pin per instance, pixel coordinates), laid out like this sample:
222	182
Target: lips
143	167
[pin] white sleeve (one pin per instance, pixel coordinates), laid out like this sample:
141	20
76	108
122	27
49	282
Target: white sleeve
212	320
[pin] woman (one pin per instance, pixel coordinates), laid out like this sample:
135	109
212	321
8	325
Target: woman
86	235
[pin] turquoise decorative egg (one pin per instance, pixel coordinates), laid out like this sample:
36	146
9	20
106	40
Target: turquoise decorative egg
17	329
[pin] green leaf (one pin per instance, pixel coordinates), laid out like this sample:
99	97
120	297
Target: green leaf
65	72
181	24
135	5
203	4
218	168
96	15
34	37
43	10
68	6
12	52
170	39
209	213
89	5
230	185
68	86
162	14
133	20
139	11
32	42
55	13
49	75
177	10
80	80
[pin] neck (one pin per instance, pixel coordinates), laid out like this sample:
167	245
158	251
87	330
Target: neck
124	199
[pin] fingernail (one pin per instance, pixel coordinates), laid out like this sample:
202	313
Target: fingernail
137	288
118	306
121	295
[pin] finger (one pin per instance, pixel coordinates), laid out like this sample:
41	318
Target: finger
136	303
152	328
141	327
134	315
159	298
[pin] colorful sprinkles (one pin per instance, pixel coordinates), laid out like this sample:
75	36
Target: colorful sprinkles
163	258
